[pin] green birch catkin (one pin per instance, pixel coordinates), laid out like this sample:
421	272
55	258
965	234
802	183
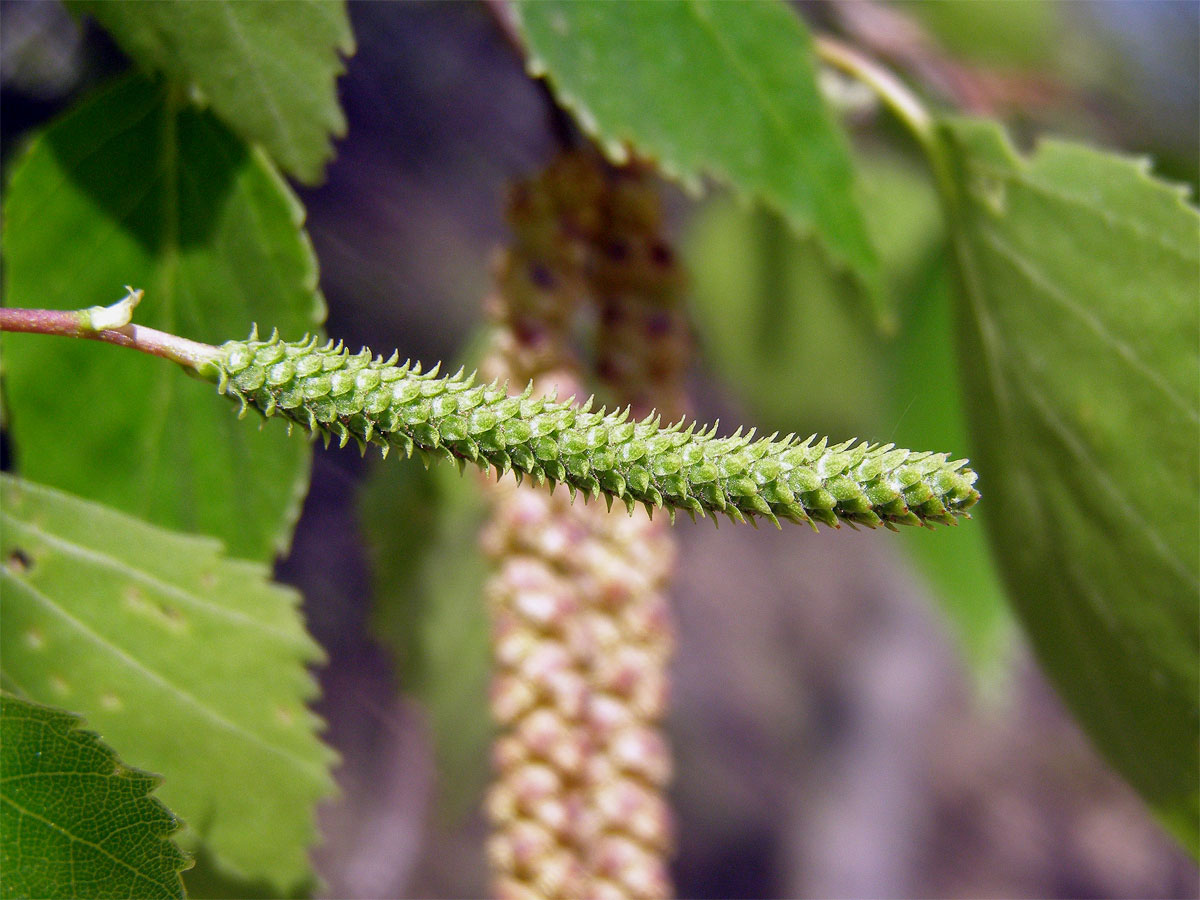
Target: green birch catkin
344	396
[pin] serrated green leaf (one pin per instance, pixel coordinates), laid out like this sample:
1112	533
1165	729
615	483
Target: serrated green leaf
131	188
194	664
423	531
74	820
1079	327
710	88
268	69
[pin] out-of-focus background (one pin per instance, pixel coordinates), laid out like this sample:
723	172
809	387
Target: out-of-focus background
854	715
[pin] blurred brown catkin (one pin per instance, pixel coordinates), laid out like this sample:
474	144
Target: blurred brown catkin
581	627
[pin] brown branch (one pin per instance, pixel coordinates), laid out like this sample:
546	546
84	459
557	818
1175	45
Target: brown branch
78	324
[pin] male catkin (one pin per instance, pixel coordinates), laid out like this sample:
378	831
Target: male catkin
348	396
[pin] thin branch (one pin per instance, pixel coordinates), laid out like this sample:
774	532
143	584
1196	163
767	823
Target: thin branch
111	325
891	90
903	103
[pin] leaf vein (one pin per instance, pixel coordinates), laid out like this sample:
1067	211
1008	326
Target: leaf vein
1078	449
75	839
1038	279
150	675
104	560
1105	213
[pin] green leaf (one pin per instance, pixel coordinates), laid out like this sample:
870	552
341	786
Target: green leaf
423	531
724	89
133	188
1079	327
74	820
193	663
269	70
773	322
773	316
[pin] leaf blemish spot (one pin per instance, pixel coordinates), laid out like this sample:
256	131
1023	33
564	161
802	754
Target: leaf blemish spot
18	561
134	598
59	685
172	617
34	639
992	193
111	701
165	614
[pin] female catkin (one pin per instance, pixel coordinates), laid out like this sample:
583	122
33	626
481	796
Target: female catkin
332	392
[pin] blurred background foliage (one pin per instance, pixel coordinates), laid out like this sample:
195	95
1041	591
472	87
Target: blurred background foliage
854	715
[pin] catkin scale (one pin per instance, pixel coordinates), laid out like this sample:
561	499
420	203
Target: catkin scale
331	392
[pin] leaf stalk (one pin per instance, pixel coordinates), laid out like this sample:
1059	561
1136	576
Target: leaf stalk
900	99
